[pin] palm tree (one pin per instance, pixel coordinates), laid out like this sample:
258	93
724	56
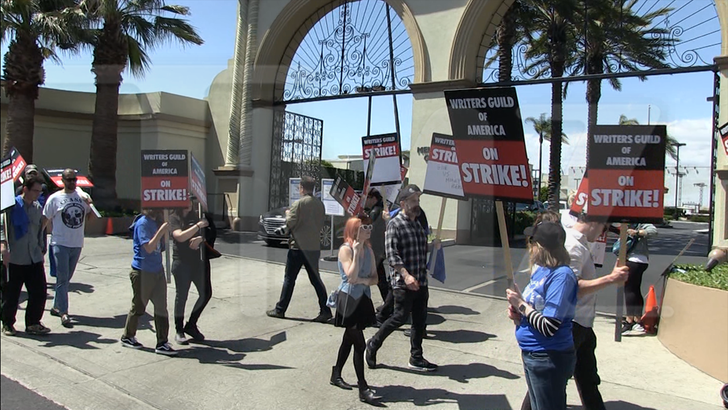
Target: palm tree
542	126
551	51
128	29
36	29
616	38
511	30
670	141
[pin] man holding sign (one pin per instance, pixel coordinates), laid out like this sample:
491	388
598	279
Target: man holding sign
406	244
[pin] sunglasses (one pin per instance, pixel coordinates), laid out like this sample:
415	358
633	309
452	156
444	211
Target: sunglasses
70	179
366	227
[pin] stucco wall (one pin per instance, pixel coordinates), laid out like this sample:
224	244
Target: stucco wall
146	121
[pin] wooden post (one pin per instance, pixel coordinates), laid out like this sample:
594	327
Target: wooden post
438	232
200	215
168	252
503	228
621	261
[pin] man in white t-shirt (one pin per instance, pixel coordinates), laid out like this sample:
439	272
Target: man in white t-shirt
578	238
65	212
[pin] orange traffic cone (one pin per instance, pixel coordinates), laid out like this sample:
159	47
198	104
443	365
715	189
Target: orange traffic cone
109	226
650	318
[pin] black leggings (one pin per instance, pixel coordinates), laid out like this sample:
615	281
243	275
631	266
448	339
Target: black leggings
633	289
186	274
353	336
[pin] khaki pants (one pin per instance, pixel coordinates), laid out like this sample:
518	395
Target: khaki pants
148	286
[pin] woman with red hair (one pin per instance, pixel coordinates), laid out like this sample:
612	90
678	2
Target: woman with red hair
354	308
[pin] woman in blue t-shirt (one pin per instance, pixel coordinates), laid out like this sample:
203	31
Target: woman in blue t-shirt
543	315
354	308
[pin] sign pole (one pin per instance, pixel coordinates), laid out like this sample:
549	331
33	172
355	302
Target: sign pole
504	242
200	215
167	241
7	245
332	236
621	261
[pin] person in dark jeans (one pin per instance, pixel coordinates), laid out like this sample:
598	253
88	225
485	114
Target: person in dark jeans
385	310
188	268
22	246
406	244
304	221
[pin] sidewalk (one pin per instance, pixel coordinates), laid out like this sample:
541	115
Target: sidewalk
251	361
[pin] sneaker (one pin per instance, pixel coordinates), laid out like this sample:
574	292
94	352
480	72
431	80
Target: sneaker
165	349
323	317
180	338
371	355
275	313
422	365
66	321
37	329
626	327
55	312
637	330
9	330
194	332
131	342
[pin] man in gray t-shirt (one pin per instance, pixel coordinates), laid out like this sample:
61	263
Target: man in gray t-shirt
23	248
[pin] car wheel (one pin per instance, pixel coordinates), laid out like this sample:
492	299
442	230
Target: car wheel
326	237
272	242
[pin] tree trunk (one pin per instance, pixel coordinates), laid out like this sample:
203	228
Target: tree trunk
102	161
20	125
555	150
506	38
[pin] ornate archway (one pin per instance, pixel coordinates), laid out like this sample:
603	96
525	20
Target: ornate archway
298	18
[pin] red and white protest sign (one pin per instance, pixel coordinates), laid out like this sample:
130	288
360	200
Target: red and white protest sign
626	173
581	199
7	187
386	149
489	142
197	182
344	194
723	131
56	175
17	162
442	177
165	179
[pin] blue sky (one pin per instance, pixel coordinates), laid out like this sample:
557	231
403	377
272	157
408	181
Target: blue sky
678	101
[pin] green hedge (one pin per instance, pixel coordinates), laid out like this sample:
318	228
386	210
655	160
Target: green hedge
696	275
699	218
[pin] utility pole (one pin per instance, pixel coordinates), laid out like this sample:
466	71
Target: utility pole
677	175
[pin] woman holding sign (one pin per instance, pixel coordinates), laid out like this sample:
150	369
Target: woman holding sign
544	314
354	308
188	268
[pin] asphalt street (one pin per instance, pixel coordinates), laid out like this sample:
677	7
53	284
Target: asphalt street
480	269
16	397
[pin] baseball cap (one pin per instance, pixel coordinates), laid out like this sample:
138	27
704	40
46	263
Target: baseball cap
408	191
31	167
550	235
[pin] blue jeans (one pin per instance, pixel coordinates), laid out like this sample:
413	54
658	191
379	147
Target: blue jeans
66	260
546	375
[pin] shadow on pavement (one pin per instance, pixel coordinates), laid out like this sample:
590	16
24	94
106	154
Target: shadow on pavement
116	322
623	405
77	338
80	288
238	237
459	372
459	336
454	310
428	397
246	345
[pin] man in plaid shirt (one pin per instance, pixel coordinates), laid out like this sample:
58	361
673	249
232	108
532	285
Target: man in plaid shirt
406	245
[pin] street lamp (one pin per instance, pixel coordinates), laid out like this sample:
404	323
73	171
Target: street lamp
677	173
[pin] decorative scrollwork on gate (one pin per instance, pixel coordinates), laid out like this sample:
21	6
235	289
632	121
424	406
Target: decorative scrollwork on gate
358	46
296	152
689	29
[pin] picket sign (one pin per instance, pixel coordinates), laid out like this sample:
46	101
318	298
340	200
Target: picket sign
621	261
438	233
503	228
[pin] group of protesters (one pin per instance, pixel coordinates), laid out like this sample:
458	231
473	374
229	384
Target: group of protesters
553	315
62	214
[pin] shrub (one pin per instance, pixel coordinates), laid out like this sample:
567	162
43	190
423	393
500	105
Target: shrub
699	218
524	219
696	275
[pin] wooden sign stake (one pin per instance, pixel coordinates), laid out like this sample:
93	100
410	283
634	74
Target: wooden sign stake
621	261
503	228
168	251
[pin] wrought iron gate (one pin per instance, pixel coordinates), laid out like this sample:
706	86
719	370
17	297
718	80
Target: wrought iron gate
296	151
